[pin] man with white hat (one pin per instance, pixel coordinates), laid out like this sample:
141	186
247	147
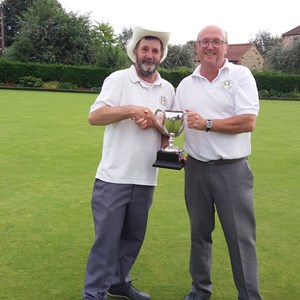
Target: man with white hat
125	179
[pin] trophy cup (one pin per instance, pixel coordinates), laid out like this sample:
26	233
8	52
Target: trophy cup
170	157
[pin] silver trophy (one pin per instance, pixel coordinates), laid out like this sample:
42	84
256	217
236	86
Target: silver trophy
171	122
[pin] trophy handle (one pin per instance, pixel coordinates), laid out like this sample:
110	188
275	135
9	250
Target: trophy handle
160	125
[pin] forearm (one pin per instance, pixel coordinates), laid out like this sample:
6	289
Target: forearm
234	125
107	115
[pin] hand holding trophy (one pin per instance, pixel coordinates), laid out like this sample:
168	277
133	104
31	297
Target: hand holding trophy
170	157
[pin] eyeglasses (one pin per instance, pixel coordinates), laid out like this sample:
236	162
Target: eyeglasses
216	43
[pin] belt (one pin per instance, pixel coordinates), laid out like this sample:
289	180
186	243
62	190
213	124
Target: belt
223	161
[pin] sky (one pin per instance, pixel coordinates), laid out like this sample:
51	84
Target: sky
242	20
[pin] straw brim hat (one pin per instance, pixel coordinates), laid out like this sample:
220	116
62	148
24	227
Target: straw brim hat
139	33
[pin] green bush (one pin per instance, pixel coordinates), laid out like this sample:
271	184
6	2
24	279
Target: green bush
67	86
31	81
51	85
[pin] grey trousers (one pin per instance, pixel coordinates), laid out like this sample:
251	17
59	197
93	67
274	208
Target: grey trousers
228	188
120	213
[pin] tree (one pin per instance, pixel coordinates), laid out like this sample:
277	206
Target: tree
180	56
104	34
112	56
48	34
284	59
125	36
109	50
264	42
277	57
13	10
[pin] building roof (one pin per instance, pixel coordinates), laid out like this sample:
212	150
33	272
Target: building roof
236	51
294	31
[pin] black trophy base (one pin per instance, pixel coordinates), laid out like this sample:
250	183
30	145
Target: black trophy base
169	160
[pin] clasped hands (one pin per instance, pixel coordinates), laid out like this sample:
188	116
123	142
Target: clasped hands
144	117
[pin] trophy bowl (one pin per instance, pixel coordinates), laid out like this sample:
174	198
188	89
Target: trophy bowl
172	123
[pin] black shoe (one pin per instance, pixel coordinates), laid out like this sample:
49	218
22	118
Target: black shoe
193	296
127	291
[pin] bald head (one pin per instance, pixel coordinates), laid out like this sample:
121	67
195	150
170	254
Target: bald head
213	30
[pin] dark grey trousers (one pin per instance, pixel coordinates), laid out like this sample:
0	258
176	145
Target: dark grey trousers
228	188
120	213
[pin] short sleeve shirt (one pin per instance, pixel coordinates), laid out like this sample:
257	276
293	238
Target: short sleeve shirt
233	92
128	151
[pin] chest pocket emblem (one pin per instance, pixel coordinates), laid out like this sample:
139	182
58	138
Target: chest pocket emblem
227	85
163	100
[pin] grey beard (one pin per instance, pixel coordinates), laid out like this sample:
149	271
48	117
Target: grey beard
146	71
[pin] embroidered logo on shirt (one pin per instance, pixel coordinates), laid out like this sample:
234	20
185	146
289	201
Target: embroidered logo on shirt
163	100
227	84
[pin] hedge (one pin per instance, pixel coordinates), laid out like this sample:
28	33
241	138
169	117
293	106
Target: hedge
83	76
277	81
90	76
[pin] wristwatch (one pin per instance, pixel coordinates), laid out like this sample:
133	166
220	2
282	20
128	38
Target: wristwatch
208	125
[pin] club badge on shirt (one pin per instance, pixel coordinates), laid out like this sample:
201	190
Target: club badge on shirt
227	84
163	100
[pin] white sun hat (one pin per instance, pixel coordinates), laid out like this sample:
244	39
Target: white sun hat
139	33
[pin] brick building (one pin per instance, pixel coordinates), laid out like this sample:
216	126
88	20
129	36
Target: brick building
291	37
247	55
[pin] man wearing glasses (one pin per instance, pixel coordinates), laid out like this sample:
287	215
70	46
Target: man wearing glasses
221	102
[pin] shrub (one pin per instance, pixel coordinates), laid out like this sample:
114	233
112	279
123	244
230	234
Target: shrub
51	85
31	81
67	86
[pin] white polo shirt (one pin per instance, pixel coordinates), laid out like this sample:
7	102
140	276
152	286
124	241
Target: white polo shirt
128	152
232	93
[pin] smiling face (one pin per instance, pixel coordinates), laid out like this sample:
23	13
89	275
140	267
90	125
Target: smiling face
148	54
212	46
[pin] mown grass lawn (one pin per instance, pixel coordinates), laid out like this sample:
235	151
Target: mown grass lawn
48	159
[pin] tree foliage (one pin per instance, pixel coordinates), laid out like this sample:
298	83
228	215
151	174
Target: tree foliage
48	34
104	34
284	59
265	41
125	36
42	31
13	10
180	56
109	51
